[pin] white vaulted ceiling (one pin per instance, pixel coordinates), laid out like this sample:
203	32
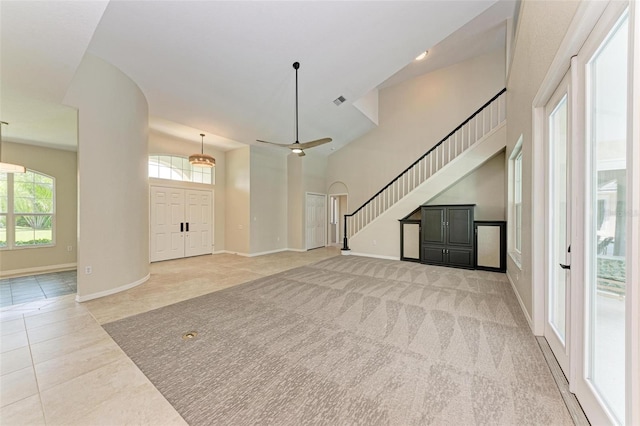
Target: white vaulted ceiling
223	68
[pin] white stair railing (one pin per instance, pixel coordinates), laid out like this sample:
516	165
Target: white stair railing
482	122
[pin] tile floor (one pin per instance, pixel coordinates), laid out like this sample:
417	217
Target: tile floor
14	291
58	366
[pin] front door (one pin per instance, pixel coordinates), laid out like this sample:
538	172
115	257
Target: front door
198	222
167	223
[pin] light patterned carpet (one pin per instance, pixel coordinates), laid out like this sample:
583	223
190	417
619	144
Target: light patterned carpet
349	341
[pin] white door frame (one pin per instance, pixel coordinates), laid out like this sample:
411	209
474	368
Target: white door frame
185	235
560	349
587	16
340	219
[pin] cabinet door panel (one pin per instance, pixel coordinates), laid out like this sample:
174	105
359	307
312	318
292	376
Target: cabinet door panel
432	226
460	257
433	255
460	226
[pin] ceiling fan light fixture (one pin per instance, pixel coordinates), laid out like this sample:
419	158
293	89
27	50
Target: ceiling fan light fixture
296	150
202	159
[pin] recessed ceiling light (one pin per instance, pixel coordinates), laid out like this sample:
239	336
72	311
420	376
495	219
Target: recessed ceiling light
422	55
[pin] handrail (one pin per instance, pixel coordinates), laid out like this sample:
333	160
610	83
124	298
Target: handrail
412	165
433	148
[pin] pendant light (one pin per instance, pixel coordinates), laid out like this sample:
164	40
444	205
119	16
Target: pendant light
8	167
202	159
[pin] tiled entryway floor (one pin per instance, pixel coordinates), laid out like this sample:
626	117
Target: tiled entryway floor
18	290
59	367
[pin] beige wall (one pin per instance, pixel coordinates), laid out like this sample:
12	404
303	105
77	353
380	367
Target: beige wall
161	143
268	199
62	166
113	213
304	174
414	115
541	28
483	187
238	201
295	203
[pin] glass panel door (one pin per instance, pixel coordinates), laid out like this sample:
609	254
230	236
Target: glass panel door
606	124
558	224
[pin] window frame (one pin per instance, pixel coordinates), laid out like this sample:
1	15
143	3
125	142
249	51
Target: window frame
170	163
10	215
514	183
517	201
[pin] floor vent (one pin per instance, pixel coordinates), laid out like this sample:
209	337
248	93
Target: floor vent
189	335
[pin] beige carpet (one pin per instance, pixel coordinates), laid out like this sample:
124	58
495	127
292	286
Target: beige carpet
346	341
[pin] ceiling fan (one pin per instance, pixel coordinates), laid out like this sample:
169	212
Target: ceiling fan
297	147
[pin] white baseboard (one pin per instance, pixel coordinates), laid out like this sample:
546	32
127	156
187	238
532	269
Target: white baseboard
112	290
262	253
524	310
376	256
38	270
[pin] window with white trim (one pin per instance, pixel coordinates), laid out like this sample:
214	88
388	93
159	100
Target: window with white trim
517	201
172	167
27	210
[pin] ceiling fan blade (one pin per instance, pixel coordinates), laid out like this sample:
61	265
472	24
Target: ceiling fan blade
273	143
317	142
301	154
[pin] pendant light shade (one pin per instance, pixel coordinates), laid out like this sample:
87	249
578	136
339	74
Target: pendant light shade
202	159
8	167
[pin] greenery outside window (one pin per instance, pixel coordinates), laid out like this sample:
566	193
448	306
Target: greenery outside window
27	210
178	168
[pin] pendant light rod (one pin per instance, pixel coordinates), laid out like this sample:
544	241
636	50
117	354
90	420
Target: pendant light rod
296	66
202	146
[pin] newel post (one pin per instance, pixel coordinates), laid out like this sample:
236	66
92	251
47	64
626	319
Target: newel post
345	241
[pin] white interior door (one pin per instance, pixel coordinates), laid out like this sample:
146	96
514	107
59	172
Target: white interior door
558	224
167	217
316	211
198	223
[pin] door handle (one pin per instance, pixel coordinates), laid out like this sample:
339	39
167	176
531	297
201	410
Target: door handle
187	226
181	227
563	266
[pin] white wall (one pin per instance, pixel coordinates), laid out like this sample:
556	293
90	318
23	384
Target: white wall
238	201
62	165
268	199
161	143
113	215
304	174
414	115
541	28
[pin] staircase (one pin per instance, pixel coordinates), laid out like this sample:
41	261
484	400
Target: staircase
467	147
